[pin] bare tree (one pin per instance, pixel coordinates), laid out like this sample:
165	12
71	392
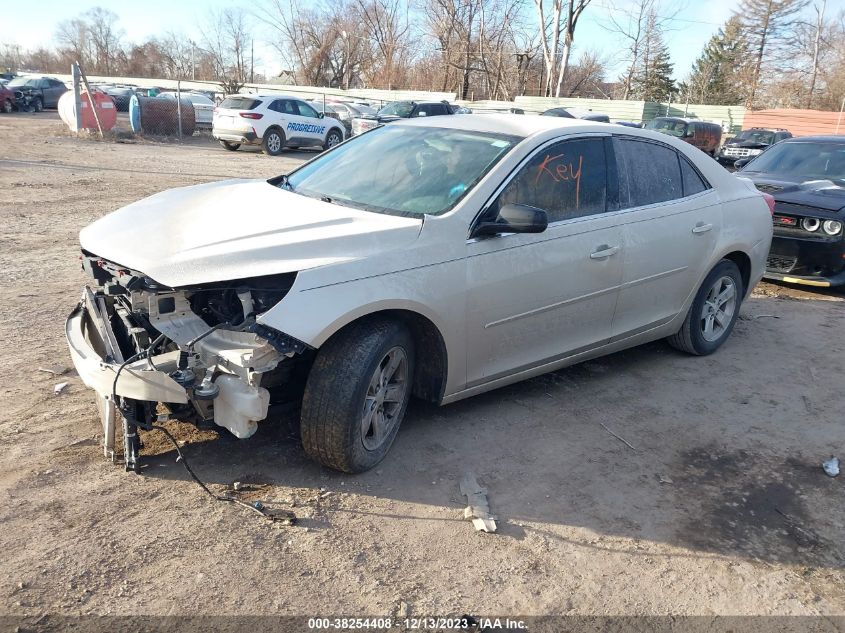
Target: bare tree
105	37
226	39
630	24
817	42
387	27
74	41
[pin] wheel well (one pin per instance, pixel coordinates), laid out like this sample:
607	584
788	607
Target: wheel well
431	356
743	262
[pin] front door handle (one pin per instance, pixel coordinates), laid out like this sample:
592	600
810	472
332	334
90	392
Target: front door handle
604	251
701	228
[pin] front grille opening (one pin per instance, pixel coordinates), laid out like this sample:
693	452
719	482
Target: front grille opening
780	264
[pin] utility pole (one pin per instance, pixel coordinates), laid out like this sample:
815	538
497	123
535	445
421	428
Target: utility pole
193	65
252	62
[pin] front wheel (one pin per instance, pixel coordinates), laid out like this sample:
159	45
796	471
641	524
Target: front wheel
230	146
356	395
332	138
713	312
7	106
274	142
39	105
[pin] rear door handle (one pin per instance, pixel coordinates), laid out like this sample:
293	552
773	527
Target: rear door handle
604	251
701	228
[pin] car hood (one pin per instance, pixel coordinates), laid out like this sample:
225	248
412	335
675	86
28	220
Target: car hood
747	144
387	118
236	229
822	194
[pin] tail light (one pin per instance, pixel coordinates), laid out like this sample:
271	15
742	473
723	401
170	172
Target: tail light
769	201
251	115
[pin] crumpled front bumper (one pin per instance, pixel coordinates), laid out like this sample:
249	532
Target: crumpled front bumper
97	359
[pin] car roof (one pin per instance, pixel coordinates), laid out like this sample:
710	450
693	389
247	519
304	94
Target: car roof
683	120
517	124
269	95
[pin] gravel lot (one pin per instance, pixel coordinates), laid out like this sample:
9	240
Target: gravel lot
721	507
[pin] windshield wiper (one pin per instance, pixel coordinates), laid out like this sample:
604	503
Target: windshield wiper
326	199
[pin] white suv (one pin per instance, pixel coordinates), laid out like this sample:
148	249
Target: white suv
273	121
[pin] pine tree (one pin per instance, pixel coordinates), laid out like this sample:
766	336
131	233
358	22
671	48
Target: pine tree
767	27
653	79
718	73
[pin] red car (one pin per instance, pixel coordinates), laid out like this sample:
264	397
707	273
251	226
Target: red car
7	99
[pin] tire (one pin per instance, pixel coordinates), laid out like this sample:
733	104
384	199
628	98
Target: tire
274	142
38	104
693	337
7	106
232	147
334	137
345	381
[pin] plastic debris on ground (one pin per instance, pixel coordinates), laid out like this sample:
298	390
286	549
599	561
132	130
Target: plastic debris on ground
56	370
478	510
59	388
831	467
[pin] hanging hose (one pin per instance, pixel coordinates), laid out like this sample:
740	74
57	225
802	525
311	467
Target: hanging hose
257	508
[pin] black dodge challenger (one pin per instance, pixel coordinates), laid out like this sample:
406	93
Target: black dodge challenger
806	177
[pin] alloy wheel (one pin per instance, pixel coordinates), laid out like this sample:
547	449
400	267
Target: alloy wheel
718	309
385	395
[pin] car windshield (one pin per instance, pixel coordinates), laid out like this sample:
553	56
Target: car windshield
558	112
757	136
22	81
401	170
667	126
398	108
802	161
239	103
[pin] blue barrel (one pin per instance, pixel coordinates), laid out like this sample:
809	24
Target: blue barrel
135	114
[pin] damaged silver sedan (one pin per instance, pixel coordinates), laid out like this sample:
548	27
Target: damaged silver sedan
438	258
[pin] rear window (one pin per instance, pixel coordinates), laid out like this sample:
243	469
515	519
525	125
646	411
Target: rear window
240	103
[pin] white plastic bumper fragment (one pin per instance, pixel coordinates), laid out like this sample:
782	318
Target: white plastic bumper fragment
137	380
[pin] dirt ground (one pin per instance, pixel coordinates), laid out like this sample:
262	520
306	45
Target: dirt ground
721	507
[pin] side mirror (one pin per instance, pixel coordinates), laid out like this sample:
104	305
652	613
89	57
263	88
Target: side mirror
742	162
320	115
514	218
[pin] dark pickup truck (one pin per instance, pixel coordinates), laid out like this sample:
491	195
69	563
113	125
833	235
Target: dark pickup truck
750	143
44	91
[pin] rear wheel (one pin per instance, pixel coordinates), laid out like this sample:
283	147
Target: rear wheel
713	312
356	395
332	138
230	146
274	142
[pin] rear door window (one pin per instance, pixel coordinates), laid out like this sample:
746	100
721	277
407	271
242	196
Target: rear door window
240	103
692	181
567	180
649	173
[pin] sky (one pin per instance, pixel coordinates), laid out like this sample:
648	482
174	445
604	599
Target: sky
32	24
